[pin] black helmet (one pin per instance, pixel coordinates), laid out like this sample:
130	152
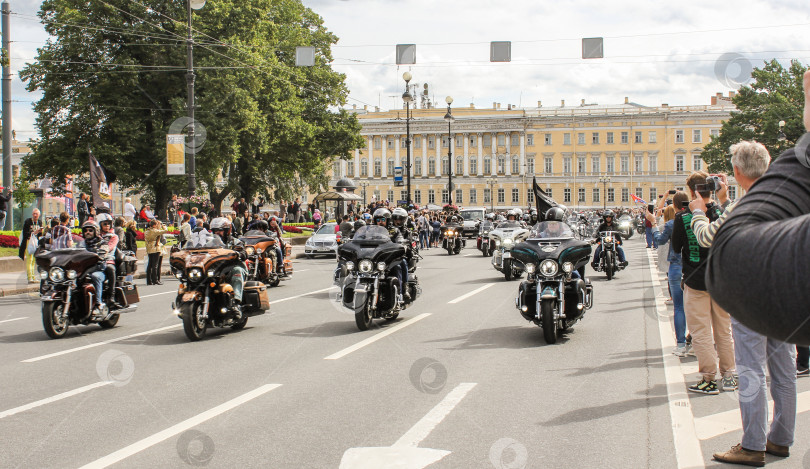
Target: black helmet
555	214
262	225
609	214
381	214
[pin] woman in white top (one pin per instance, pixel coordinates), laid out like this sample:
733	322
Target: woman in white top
129	210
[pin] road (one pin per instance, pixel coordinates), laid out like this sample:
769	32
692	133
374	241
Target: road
460	378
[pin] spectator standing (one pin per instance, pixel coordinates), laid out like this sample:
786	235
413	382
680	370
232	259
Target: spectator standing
118	229
131	237
4	198
154	249
82	209
31	227
129	210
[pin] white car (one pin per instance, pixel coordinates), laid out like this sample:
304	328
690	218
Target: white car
324	241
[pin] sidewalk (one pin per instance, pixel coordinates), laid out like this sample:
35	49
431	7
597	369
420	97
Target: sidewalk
15	283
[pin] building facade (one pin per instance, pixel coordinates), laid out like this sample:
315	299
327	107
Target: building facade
585	156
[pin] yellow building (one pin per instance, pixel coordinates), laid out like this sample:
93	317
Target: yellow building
572	150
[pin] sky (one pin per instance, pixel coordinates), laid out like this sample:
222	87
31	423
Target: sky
654	52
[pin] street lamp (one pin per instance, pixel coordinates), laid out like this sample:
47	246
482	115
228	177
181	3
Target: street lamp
364	185
449	118
781	135
407	97
491	182
604	181
192	165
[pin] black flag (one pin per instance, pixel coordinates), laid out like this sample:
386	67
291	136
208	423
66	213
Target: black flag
542	200
100	180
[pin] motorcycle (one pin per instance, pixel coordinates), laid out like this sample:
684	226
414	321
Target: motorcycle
555	295
452	239
483	242
505	237
261	262
608	258
368	285
204	297
626	226
639	223
67	293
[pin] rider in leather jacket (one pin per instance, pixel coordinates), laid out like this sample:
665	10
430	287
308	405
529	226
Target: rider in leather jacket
608	225
221	227
382	217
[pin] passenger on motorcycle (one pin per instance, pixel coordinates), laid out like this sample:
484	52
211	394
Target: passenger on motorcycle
105	223
221	227
101	247
608	225
382	217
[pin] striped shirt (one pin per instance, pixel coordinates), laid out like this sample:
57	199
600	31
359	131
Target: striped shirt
61	237
704	230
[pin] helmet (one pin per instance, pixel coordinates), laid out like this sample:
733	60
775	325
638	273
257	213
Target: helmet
262	225
104	218
519	212
555	214
90	224
399	213
382	214
608	214
490	216
366	216
511	213
220	223
526	216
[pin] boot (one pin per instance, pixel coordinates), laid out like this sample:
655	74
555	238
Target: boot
739	455
777	450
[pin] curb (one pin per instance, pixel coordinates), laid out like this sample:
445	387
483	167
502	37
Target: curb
33	288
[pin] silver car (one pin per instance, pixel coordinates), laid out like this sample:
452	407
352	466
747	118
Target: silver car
324	241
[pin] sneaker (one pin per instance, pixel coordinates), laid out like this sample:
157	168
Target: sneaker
668	302
705	387
802	371
729	383
680	350
739	455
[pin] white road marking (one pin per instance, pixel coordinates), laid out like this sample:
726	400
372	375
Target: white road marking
718	424
98	344
157	294
687	445
375	338
469	255
467	295
302	294
58	397
423	427
150	441
14	319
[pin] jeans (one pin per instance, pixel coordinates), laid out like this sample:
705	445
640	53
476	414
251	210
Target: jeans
97	279
2	219
650	238
754	352
237	278
424	239
674	278
619	253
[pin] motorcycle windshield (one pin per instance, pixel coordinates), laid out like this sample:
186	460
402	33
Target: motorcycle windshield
204	239
509	225
551	229
372	233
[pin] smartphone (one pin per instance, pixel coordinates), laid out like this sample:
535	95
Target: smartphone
673	192
685	204
651	208
661	196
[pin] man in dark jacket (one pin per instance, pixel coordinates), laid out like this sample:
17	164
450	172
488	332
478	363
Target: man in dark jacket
4	198
31	226
82	208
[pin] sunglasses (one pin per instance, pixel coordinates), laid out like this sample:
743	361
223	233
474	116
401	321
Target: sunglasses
88	230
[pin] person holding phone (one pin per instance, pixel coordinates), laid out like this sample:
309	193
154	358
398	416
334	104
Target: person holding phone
651	244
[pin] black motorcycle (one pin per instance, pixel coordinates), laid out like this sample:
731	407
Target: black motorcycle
368	285
555	295
452	239
67	293
609	257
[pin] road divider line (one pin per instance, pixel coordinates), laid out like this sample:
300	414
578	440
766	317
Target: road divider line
58	397
687	445
467	295
157	294
302	294
375	337
150	441
13	319
426	424
98	344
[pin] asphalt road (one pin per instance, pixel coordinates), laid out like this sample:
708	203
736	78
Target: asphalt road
460	377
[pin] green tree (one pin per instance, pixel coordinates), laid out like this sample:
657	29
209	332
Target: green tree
22	194
776	94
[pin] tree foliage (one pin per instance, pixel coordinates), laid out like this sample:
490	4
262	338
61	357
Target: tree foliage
776	94
113	77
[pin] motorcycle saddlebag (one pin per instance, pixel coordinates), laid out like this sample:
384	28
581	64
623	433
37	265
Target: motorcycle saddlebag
126	295
129	264
288	267
255	297
527	296
573	290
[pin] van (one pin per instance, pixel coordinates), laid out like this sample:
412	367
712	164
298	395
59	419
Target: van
471	217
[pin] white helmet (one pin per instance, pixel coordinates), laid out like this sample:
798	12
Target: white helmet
512	213
399	213
104	217
518	212
220	223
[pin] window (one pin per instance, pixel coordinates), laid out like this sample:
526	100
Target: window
595	138
376	195
390	143
432	166
417	166
431	196
637	138
639	166
549	166
445	141
445	165
697	163
417	142
530	196
566	195
530	165
679	136
403	195
515	196
377	143
679	163
581	138
624	162
336	169
459	196
473	164
610	164
581	195
487	165
567	165
501	196
652	138
624	136
377	168
595	164
515	164
445	196
487	140
732	192
566	139
459	141
403	143
653	163
625	194
501	140
581	164
487	196
595	194
611	194
515	140
547	139
501	164
473	196
391	196
610	137
417	197
431	142
696	136
390	168
653	194
548	191
473	141
714	132
529	139
460	165
350	169
363	168
639	193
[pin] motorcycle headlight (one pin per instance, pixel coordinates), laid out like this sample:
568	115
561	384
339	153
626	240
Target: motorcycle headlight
567	267
43	274
381	266
624	224
56	274
508	242
210	273
608	239
365	266
349	265
548	268
71	274
258	250
530	268
450	232
178	275
250	250
195	275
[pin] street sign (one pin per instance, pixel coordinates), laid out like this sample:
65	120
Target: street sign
398	176
593	48
500	51
304	56
175	154
406	54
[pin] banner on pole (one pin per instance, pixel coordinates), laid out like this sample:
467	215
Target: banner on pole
175	154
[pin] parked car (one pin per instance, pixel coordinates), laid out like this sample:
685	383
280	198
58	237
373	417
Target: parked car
324	241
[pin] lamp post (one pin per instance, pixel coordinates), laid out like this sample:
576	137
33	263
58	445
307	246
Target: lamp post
449	118
364	185
491	182
604	181
407	97
192	165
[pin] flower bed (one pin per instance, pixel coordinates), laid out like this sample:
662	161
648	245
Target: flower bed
7	241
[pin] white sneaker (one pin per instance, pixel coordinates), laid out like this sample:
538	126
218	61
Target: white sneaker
689	350
680	351
668	302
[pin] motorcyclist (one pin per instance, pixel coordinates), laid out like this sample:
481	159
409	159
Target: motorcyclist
101	247
608	225
512	215
274	230
555	227
221	227
382	217
105	223
533	219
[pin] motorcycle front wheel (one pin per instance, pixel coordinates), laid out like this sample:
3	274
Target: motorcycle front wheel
484	250
363	318
507	269
194	324
55	328
547	308
609	265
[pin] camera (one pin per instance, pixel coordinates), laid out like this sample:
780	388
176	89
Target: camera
712	185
